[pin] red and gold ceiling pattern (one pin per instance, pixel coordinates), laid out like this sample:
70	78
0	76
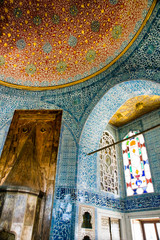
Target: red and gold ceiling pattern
49	43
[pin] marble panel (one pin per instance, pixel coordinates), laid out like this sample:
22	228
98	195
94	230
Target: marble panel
30	211
19	208
2	199
7	212
17	228
27	233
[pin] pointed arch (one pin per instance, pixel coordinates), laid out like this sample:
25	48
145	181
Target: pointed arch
97	122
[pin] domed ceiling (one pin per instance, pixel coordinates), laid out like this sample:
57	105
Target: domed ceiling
58	43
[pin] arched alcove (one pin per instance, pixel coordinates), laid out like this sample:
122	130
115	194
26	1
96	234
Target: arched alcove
97	121
86	238
86	220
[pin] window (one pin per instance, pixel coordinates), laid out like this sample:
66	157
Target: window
146	229
150	229
108	165
136	165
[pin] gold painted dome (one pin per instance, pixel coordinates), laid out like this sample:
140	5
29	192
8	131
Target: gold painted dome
57	43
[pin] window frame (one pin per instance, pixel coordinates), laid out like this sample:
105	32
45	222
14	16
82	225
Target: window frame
115	164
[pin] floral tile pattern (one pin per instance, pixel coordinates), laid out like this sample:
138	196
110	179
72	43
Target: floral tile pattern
135	73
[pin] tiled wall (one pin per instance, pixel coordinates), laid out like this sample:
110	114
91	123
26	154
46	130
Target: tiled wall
152	141
63	220
89	192
68	192
96	123
3	133
87	108
66	169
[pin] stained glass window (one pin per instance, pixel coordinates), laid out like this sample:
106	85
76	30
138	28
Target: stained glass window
108	165
136	165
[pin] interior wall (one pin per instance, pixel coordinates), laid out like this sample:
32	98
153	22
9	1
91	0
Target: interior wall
77	102
66	172
138	215
92	132
152	141
68	190
63	218
142	203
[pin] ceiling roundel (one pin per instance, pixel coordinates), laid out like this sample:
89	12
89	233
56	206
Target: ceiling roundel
47	43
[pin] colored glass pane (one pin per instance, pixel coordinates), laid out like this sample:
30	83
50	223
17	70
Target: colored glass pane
137	175
132	143
142	165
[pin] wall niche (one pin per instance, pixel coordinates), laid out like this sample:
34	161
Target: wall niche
86	223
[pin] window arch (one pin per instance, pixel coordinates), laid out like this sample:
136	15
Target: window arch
108	165
86	238
136	165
